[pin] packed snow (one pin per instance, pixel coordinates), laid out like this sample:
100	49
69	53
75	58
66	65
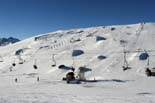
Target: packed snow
102	53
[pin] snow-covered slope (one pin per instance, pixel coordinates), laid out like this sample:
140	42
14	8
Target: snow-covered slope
114	85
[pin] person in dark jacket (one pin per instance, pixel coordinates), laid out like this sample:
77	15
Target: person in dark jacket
38	79
16	80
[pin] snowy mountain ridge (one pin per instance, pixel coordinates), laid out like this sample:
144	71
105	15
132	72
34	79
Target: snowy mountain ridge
6	41
102	52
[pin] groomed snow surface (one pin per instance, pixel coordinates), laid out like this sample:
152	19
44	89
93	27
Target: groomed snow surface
18	84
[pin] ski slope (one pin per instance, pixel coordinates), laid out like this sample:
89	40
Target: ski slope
113	84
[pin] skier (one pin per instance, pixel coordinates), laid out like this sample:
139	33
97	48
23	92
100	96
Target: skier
38	79
16	80
10	69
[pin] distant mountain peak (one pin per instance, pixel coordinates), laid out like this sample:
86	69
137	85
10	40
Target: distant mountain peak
6	41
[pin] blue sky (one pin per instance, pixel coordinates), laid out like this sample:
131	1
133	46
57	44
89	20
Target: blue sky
26	18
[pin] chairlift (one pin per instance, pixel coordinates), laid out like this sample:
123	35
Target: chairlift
54	61
1	59
20	60
148	71
148	60
81	73
126	65
10	69
14	64
35	64
35	67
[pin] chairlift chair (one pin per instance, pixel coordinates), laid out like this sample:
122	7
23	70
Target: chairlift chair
54	61
35	64
1	59
148	72
14	64
126	65
20	61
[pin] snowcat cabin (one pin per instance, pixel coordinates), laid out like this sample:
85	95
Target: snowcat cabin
70	77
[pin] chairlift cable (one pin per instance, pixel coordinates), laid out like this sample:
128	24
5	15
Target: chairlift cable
148	62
